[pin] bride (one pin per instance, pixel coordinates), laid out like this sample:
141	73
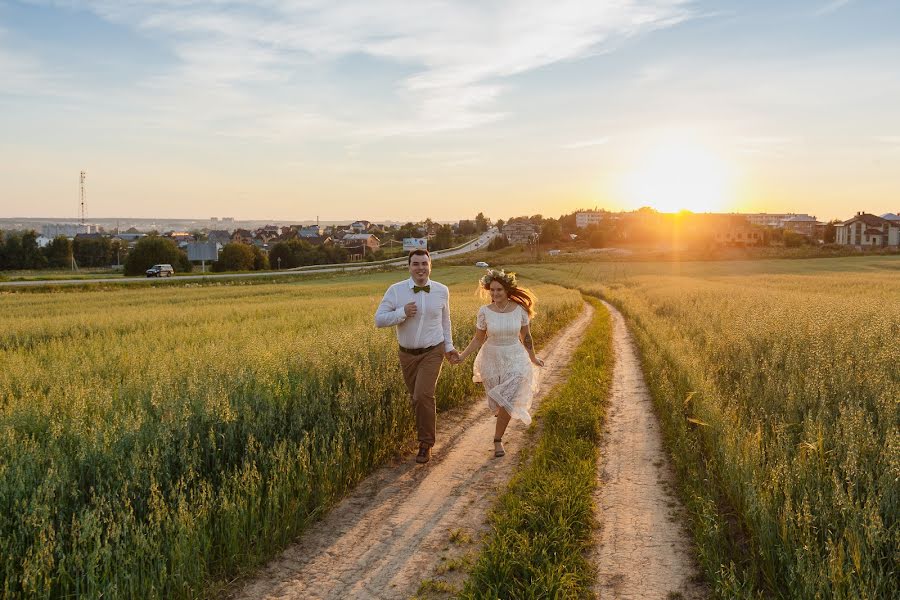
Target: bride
505	351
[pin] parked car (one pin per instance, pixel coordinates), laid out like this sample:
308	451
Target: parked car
482	264
160	271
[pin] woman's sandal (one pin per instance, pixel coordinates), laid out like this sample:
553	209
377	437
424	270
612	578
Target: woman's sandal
498	448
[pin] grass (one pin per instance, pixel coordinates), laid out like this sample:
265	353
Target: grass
157	441
776	384
541	525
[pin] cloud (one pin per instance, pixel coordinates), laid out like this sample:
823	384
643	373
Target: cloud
830	7
458	55
587	143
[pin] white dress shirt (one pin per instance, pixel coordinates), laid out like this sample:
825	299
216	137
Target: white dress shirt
431	323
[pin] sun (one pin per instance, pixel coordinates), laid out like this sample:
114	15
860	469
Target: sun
679	173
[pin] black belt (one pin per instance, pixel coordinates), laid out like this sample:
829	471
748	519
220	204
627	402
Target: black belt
417	351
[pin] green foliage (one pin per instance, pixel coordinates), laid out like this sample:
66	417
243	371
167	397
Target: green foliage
59	252
187	433
541	526
299	252
20	251
792	239
235	256
93	251
154	250
482	223
776	383
498	243
551	232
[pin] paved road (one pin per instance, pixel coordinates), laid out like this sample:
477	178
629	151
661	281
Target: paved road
481	242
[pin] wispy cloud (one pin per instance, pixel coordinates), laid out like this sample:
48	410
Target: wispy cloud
587	143
458	54
830	7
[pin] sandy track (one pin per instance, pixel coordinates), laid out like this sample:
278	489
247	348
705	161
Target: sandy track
642	550
388	534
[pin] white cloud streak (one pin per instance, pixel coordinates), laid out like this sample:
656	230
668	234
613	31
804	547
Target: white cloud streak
459	54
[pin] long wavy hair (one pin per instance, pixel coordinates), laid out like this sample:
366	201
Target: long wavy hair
520	295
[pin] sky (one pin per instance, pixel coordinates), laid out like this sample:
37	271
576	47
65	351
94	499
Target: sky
389	110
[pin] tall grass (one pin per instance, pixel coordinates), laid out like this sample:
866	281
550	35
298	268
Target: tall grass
156	441
778	390
541	525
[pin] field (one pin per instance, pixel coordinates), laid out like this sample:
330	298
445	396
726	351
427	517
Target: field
154	442
777	386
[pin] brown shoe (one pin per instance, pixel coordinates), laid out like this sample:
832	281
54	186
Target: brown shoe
424	454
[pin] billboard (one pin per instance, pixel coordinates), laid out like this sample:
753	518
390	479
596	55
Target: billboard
202	251
410	244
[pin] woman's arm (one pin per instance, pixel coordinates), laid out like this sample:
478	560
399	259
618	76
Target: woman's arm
525	335
475	344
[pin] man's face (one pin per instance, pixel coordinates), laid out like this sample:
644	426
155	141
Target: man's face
420	268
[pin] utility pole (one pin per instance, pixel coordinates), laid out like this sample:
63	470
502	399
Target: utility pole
82	199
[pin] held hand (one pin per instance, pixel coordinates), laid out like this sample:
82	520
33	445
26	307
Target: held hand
410	309
452	357
537	361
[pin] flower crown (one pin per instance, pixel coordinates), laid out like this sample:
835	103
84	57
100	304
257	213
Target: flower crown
507	279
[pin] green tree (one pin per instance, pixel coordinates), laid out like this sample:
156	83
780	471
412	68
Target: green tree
596	238
236	257
260	260
551	232
443	239
154	250
481	223
92	252
792	239
830	235
59	252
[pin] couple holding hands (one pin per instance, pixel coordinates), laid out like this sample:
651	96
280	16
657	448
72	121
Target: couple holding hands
420	310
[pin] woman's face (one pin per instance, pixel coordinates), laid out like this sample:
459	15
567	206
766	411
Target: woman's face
498	294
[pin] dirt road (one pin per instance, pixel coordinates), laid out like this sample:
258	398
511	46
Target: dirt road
393	530
642	549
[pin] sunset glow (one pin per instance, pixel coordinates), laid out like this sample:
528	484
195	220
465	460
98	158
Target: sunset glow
679	174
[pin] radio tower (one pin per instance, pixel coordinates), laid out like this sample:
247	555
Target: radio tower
82	199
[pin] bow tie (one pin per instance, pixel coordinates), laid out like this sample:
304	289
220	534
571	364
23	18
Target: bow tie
424	288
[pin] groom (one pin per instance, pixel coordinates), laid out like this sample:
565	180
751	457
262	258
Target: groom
420	308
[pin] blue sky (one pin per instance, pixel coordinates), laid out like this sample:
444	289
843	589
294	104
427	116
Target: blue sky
399	110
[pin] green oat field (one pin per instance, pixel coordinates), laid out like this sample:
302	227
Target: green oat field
777	384
154	442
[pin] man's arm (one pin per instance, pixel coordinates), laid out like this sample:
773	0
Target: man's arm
388	313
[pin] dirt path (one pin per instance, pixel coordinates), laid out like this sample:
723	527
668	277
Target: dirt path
642	549
389	534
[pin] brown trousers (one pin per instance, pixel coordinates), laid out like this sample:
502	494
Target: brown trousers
420	372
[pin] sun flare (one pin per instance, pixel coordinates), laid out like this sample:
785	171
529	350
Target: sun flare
679	173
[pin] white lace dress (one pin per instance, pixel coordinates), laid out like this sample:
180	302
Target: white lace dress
502	363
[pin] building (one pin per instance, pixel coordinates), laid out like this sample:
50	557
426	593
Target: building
359	226
803	224
69	230
220	236
520	232
729	230
359	240
865	230
774	220
588	217
312	231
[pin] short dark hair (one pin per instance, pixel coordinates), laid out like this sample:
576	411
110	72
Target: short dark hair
417	252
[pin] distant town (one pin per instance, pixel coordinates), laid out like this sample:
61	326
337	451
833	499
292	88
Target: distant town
230	245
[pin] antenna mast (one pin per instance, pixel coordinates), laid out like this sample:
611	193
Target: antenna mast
82	198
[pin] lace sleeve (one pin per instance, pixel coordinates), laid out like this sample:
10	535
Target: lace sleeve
525	319
480	320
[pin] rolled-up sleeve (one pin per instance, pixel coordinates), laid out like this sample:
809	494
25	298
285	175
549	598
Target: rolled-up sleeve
388	313
445	324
